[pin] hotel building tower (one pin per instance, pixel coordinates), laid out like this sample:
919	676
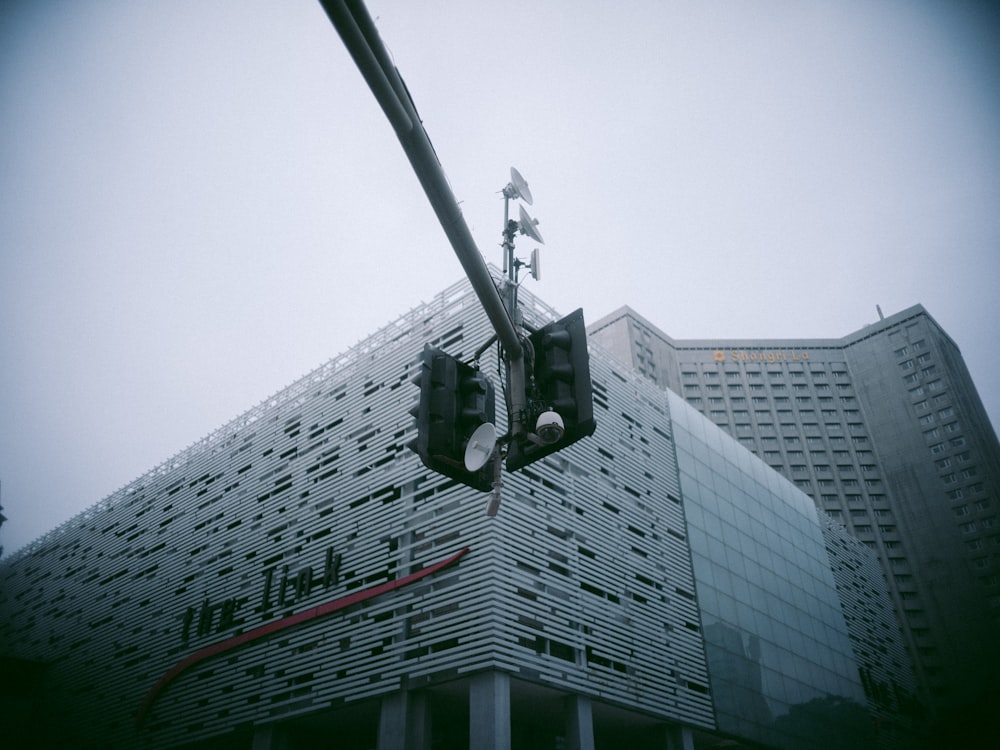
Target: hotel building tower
885	431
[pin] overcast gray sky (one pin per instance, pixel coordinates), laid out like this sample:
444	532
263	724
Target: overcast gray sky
201	201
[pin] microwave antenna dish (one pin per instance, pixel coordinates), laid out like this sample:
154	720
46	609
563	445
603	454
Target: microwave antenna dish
527	226
517	187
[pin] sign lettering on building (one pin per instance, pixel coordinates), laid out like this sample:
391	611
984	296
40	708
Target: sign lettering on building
760	355
289	621
281	589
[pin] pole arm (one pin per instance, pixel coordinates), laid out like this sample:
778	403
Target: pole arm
357	30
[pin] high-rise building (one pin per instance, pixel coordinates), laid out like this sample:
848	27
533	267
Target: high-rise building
884	429
299	579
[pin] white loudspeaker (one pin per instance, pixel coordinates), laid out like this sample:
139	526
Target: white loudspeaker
480	447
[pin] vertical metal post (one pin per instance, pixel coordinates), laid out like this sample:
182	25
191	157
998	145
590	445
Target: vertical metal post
357	30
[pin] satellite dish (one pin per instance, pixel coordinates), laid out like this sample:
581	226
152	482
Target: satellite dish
520	186
527	226
480	447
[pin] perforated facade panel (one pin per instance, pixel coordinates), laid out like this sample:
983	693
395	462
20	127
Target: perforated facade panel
300	560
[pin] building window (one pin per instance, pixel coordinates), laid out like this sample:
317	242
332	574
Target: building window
907	365
937	448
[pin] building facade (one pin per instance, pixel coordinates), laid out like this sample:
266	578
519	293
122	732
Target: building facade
884	429
298	578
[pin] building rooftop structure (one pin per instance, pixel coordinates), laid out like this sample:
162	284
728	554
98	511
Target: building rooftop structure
298	575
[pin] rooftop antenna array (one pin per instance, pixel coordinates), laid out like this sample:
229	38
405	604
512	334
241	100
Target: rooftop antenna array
516	189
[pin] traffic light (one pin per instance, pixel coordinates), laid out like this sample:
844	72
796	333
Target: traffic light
559	381
455	399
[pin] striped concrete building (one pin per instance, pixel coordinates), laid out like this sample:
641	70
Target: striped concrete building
298	579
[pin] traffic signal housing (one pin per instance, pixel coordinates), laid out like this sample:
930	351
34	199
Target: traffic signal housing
560	382
455	399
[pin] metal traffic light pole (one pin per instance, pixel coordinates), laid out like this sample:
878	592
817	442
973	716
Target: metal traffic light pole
357	30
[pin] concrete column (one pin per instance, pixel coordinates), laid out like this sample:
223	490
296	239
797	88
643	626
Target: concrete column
404	722
679	738
418	725
270	737
579	723
489	711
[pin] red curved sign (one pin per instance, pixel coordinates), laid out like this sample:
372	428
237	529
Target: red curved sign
287	622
